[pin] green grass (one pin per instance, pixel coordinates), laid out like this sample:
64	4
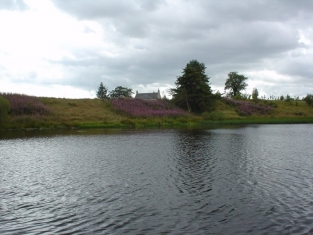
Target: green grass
261	121
283	112
94	113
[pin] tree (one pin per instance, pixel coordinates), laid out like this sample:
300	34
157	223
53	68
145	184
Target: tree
193	91
102	91
288	98
4	110
255	94
121	92
235	83
309	99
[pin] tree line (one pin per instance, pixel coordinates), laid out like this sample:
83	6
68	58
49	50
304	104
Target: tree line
193	91
118	92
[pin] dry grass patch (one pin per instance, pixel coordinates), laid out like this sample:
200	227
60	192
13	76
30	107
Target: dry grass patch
229	112
292	109
82	110
280	109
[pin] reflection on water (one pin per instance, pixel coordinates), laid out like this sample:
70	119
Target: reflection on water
253	179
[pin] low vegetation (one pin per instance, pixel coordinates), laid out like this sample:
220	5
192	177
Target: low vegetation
266	111
245	108
43	112
4	111
146	108
309	99
26	105
192	103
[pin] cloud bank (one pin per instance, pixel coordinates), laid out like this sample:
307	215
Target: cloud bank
66	48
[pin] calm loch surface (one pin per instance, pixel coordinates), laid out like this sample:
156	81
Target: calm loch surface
253	179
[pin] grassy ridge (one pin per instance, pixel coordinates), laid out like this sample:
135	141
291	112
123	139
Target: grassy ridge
95	113
280	110
89	113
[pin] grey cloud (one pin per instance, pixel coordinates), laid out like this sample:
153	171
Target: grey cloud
263	10
112	73
94	9
150	5
131	18
13	5
103	9
301	66
158	41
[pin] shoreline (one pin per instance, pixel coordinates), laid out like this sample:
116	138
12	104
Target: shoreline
95	113
174	125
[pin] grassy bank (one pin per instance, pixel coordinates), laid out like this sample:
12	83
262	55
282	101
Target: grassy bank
260	121
281	112
89	113
95	113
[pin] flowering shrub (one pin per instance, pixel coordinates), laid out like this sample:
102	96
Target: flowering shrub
146	108
245	108
26	105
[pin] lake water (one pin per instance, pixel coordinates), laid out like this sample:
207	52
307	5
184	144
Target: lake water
253	179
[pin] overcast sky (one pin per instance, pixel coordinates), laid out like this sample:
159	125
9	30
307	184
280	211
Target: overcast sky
66	48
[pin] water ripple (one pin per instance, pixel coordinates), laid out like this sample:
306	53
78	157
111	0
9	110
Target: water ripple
253	179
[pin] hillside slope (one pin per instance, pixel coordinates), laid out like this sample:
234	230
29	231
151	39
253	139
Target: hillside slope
95	113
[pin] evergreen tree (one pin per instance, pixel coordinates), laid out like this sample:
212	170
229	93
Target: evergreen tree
193	91
309	99
102	91
255	94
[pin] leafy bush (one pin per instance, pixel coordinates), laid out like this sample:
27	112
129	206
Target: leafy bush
245	108
300	113
4	110
288	99
128	122
72	104
26	105
309	99
271	103
146	108
214	116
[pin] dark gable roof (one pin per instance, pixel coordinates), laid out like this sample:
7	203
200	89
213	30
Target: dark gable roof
147	96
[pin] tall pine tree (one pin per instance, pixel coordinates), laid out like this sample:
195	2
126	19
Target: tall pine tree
193	91
102	91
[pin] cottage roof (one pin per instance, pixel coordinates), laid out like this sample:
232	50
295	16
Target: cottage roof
148	96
